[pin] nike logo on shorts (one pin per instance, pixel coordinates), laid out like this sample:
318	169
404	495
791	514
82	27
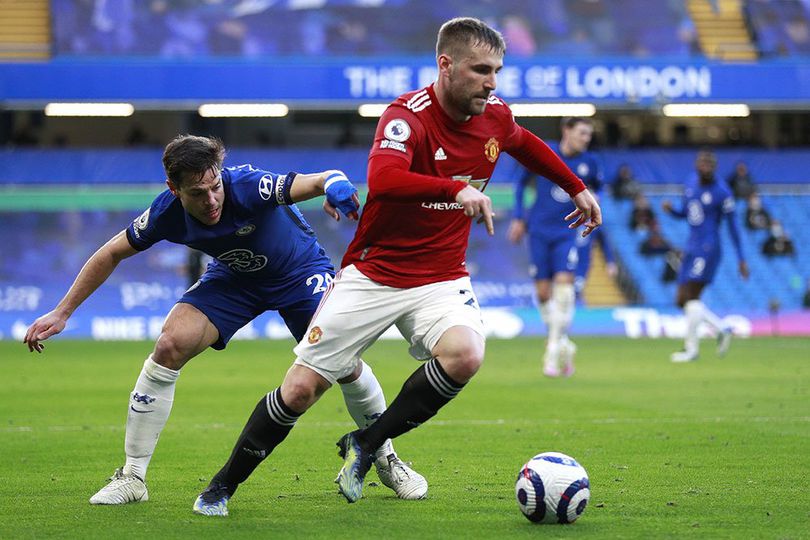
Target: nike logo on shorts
137	411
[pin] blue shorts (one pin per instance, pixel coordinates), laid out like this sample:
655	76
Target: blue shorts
230	303
699	267
552	254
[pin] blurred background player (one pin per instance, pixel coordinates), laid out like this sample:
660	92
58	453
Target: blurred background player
706	204
584	253
553	246
266	257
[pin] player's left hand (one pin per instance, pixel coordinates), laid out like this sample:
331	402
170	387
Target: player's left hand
340	195
744	272
587	213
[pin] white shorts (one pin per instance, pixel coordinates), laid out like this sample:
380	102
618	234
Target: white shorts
355	311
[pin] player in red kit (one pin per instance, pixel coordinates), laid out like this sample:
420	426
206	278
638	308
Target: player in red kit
433	154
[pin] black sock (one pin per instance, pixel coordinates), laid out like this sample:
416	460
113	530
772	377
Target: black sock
269	424
426	391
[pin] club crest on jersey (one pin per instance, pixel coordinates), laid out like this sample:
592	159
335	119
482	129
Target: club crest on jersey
397	130
583	170
246	230
315	335
492	149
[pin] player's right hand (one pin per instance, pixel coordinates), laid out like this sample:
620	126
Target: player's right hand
476	204
517	228
46	326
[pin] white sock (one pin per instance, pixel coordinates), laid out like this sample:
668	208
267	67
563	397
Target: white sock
564	297
365	402
694	315
548	312
711	318
153	394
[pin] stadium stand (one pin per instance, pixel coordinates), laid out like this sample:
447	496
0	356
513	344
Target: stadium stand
553	27
781	279
662	172
722	29
780	28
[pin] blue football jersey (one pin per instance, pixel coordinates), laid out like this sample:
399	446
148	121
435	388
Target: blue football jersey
261	235
705	207
551	203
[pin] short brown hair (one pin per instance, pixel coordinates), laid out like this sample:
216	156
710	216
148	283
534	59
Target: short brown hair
459	34
571	121
189	157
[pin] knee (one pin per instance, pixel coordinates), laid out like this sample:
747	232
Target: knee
299	395
170	352
682	299
301	389
543	292
464	361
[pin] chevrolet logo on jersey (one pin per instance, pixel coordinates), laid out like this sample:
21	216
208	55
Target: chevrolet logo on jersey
478	183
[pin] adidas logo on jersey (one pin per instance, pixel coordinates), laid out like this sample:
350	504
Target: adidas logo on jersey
440	155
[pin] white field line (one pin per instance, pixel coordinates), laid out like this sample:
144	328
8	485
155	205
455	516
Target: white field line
451	423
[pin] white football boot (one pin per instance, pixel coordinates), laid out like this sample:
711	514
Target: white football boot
724	341
681	357
551	360
567	352
122	489
395	474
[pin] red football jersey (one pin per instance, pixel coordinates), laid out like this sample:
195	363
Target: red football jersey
412	232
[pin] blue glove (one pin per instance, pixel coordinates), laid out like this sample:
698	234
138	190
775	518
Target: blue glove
340	193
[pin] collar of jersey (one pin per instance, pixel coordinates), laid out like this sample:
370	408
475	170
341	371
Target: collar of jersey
442	113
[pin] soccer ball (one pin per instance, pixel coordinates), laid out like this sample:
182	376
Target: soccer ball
552	488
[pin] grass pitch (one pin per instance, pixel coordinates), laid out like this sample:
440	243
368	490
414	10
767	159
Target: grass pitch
714	449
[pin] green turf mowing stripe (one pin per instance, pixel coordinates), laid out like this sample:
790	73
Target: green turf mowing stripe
133	197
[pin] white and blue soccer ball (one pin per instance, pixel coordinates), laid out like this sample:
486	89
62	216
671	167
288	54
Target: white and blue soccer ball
552	488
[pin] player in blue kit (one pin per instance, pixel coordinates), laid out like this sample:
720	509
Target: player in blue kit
265	257
706	203
553	246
